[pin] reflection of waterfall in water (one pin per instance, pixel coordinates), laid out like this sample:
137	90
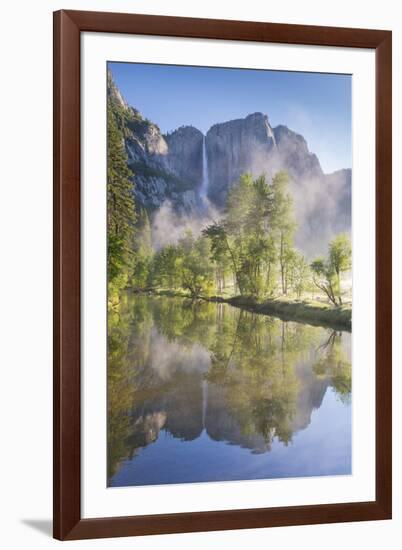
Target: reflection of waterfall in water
204	401
256	421
205	178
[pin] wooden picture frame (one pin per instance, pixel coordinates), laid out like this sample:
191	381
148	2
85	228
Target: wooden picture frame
68	26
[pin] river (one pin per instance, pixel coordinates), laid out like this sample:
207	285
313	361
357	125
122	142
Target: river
201	391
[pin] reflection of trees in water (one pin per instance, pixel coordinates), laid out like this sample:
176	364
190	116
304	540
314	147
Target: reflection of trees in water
256	383
264	376
121	386
334	362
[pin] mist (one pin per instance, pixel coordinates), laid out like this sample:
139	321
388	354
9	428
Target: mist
322	210
169	226
322	202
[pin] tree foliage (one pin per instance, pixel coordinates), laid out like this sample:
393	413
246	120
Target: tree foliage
249	249
121	214
255	237
327	271
262	372
185	265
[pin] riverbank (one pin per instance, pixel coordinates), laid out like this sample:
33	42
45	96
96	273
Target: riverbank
318	314
303	311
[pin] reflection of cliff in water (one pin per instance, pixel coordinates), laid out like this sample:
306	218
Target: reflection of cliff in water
310	397
242	379
182	415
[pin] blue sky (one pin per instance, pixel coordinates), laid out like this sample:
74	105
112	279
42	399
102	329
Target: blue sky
316	105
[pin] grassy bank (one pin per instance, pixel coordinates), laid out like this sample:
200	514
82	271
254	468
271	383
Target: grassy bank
313	313
303	311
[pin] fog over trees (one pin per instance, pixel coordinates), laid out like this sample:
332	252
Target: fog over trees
246	247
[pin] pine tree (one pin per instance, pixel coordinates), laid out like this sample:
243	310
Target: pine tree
120	208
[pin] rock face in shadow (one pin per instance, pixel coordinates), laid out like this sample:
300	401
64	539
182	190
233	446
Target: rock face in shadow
185	154
294	156
252	145
322	202
234	148
164	167
169	168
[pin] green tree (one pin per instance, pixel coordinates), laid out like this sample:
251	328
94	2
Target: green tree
327	272
283	224
242	237
197	273
221	249
299	274
143	251
271	260
324	278
340	258
120	208
166	267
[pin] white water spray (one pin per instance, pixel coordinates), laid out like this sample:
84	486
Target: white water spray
205	177
204	401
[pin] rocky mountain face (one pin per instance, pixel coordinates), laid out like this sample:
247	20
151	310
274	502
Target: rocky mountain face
322	202
170	168
185	154
236	147
252	145
164	167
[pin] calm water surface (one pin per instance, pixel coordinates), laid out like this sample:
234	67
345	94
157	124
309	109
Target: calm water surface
206	392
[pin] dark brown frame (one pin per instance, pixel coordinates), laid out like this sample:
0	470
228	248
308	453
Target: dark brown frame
68	26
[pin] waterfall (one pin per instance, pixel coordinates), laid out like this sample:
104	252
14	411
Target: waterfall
204	401
205	178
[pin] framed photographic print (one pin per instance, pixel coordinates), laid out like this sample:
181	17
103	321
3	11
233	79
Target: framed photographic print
222	266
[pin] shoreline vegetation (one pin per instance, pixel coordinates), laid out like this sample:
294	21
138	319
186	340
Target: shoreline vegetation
243	253
302	311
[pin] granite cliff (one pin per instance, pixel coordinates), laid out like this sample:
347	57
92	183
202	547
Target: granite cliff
169	168
165	167
252	145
